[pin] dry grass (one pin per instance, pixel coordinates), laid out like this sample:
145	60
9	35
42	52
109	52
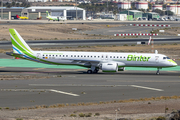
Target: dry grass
102	102
21	77
173	31
52	31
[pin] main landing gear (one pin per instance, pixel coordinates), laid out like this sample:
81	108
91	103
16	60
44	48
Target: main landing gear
93	70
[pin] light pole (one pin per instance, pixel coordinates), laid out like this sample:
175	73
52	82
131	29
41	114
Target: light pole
107	6
76	9
1	9
117	112
128	10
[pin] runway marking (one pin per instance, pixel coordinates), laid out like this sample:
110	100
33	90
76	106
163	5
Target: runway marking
38	90
81	85
64	92
147	88
68	85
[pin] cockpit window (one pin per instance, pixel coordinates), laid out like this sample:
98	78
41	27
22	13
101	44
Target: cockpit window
166	58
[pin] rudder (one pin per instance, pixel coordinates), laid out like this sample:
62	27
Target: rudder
18	43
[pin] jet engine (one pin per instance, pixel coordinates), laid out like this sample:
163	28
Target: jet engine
109	67
121	69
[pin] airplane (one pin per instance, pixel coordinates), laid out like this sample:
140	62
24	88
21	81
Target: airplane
105	61
55	18
22	18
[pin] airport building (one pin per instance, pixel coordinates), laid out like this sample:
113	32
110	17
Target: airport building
151	15
40	12
135	13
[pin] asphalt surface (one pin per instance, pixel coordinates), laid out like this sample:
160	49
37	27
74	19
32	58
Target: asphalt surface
65	43
74	86
2	22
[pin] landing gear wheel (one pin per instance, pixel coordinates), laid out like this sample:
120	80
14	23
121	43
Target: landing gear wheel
95	71
89	71
157	73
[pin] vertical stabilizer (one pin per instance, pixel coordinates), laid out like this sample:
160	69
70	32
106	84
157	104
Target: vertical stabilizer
47	14
18	43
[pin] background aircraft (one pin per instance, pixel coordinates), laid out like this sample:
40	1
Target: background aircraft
105	61
55	18
21	17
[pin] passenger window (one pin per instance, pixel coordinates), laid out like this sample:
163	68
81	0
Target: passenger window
94	56
114	56
46	55
117	57
71	55
78	56
84	56
63	55
74	55
81	56
98	56
49	55
66	55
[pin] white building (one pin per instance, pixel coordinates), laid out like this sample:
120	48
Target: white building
141	5
174	8
67	11
124	5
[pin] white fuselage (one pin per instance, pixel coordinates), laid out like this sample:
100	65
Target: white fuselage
96	58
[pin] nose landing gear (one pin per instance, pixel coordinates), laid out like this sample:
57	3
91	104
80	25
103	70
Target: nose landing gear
157	73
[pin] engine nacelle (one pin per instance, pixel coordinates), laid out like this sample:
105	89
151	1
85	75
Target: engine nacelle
109	67
121	69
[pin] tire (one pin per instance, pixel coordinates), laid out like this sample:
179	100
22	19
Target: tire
89	71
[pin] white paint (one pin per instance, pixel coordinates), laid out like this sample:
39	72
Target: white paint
38	90
146	88
161	30
64	92
68	85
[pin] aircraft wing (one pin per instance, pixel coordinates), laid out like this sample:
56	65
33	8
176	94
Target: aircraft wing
83	61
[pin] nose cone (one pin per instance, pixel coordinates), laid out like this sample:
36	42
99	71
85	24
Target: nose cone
173	63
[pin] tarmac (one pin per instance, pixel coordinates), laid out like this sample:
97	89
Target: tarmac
31	64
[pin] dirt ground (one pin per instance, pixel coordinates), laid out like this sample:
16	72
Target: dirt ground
141	110
52	31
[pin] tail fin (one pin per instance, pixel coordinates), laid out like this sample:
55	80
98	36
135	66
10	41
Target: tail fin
47	14
18	43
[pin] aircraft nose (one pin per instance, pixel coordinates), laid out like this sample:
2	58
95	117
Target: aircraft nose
175	64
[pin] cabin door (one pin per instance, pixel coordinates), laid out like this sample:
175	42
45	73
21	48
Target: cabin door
38	55
157	59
